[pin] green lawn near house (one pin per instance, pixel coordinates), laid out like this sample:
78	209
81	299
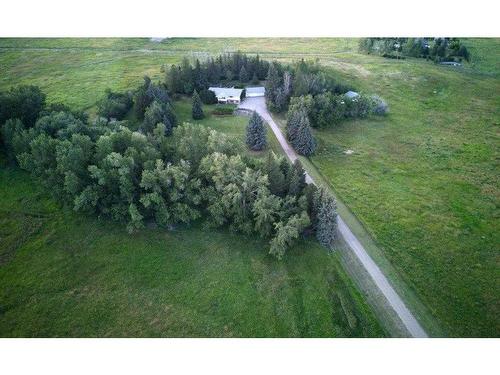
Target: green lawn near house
232	125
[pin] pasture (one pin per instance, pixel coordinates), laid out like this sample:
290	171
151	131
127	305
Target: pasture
68	275
422	182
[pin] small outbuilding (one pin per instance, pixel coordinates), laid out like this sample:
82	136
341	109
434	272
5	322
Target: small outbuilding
227	94
252	92
351	94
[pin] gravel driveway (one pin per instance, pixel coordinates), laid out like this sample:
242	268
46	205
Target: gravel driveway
258	104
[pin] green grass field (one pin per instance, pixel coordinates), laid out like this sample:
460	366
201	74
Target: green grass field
67	275
422	181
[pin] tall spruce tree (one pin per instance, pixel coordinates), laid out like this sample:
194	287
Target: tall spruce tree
174	80
142	99
243	74
273	84
187	76
197	110
296	179
326	217
277	181
158	113
300	135
255	79
292	123
256	138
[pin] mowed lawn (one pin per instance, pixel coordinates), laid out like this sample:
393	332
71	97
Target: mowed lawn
67	275
231	125
424	181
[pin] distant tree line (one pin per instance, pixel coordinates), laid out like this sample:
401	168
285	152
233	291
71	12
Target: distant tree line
161	173
436	49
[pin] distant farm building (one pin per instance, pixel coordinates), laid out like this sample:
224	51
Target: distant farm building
252	92
227	94
351	94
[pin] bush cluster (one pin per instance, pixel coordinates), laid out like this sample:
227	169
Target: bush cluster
115	105
224	109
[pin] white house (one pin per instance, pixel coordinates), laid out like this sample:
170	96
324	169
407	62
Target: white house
227	94
252	92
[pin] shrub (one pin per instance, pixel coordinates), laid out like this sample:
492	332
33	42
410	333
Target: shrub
223	109
60	107
9	131
158	113
379	106
360	106
208	97
22	102
115	105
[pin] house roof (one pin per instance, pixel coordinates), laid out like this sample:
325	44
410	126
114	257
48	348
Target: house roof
255	90
351	94
226	91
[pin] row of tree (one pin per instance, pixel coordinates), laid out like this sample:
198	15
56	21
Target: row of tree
235	68
168	177
436	49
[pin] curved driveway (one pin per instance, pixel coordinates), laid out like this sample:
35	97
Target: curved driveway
258	104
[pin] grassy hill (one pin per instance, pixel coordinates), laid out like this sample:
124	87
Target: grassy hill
423	181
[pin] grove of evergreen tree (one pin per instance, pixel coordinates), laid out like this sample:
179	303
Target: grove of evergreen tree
226	69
